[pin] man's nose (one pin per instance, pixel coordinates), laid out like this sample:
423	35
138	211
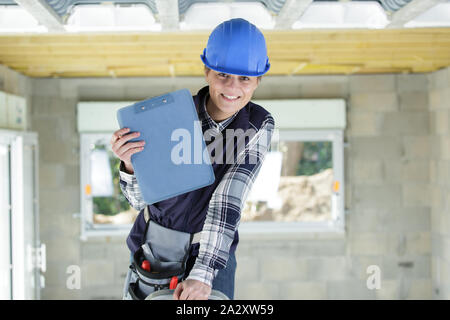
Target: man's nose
233	82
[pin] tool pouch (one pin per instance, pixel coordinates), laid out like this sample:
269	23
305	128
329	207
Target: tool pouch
167	251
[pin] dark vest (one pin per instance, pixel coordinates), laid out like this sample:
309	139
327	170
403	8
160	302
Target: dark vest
187	212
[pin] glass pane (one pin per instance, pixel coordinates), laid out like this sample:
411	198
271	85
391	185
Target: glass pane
295	183
109	204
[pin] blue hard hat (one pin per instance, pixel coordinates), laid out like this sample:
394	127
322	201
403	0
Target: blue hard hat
237	47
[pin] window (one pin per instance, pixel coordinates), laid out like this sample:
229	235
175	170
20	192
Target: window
300	182
105	210
300	186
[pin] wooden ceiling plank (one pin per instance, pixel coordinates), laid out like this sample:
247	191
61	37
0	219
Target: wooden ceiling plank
304	52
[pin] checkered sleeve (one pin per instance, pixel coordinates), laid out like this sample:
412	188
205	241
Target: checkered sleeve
130	189
226	204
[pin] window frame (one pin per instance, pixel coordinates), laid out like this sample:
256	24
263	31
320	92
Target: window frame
337	223
307	119
88	227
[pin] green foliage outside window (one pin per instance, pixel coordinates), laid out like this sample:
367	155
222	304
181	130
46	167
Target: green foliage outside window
316	157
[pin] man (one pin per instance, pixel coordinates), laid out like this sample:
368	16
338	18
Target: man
235	59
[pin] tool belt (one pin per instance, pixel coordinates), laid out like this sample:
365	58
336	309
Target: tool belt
167	252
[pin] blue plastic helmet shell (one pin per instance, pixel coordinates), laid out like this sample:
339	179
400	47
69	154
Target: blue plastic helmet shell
237	47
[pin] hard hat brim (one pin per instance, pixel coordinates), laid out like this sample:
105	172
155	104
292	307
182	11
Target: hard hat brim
234	72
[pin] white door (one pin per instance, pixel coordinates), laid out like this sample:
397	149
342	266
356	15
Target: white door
5	224
23	221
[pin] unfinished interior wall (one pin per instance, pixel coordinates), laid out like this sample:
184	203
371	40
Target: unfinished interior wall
439	96
388	221
387	181
17	84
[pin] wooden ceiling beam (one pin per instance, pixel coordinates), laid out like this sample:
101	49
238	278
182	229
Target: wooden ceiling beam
177	54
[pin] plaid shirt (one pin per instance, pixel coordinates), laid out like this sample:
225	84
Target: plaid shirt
227	200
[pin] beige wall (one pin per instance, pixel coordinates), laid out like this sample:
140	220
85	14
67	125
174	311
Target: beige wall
439	97
394	166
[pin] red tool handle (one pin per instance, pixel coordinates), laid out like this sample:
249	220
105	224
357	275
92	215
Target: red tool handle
173	282
146	265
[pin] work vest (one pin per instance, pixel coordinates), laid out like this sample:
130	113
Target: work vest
187	212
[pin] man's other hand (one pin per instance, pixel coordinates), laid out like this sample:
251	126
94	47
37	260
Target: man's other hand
192	290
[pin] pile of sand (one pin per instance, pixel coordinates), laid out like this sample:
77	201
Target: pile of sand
304	198
124	217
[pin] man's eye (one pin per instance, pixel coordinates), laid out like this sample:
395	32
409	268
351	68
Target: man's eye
223	75
245	78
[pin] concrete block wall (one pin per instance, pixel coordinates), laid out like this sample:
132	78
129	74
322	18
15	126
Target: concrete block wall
17	84
387	188
390	194
388	224
439	109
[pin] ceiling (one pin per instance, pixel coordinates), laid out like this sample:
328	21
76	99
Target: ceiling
178	54
172	52
63	7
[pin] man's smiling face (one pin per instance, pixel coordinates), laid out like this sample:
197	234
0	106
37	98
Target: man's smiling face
229	93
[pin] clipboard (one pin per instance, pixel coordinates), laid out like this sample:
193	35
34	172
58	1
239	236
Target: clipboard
169	165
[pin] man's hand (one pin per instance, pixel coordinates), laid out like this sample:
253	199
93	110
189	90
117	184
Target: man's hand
124	149
192	290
